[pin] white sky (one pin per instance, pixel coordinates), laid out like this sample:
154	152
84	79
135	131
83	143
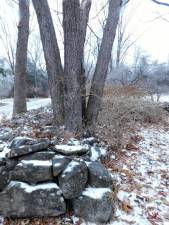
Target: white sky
155	33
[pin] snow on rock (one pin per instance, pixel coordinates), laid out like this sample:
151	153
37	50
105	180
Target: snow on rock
70	167
95	193
36	162
96	153
30	188
72	149
5	150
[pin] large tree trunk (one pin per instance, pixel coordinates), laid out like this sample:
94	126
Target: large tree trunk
84	17
52	58
72	65
21	59
103	60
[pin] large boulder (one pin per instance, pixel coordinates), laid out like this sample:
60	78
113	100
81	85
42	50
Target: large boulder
32	171
98	175
59	163
20	147
94	205
20	200
73	179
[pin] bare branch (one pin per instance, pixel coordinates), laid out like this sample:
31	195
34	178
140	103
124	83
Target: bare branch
161	3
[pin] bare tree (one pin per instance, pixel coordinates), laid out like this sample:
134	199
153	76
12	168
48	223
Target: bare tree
52	58
75	19
72	64
103	60
21	59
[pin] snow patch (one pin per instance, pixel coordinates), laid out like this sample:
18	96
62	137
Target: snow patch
36	162
28	188
95	193
71	148
70	167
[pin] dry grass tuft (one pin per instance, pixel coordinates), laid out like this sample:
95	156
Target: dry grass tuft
122	110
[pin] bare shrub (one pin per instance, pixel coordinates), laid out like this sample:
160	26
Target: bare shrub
121	113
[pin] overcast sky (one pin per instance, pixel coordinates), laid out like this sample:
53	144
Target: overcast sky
154	33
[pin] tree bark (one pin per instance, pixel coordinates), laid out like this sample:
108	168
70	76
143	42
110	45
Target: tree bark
72	65
103	60
84	17
21	59
52	58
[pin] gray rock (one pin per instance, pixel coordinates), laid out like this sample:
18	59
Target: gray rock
44	155
20	141
5	176
2	161
97	153
32	171
20	200
28	148
98	175
89	141
94	205
59	163
72	149
73	179
5	134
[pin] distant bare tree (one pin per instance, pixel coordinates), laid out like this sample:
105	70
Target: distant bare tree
21	59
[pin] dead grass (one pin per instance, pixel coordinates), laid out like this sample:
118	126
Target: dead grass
123	110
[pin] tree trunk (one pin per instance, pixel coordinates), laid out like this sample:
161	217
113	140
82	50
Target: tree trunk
72	65
21	59
103	60
84	17
52	58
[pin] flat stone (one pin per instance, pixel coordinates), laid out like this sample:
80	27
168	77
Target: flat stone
20	141
32	171
59	163
73	179
20	200
72	149
94	205
98	175
27	149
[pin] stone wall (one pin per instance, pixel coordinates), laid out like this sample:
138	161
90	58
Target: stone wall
42	179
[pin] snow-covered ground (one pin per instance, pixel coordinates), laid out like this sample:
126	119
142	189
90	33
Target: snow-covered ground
161	98
33	103
143	194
